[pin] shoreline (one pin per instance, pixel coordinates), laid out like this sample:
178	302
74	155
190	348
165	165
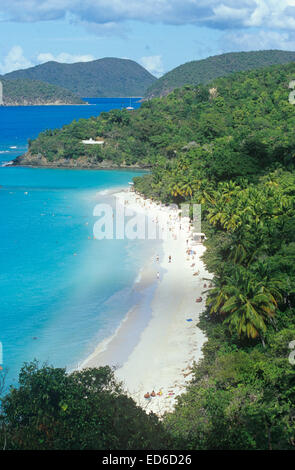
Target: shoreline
132	168
169	342
43	104
115	349
60	167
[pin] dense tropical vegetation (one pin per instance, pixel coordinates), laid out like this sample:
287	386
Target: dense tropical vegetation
108	77
203	71
83	410
234	127
230	147
35	92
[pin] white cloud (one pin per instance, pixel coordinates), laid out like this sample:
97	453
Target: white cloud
247	24
64	57
33	10
14	60
249	41
110	28
272	14
153	64
226	14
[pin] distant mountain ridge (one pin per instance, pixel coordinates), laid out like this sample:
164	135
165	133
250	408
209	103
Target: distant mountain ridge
108	77
203	71
25	92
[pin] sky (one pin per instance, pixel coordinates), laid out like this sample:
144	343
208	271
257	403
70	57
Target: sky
158	34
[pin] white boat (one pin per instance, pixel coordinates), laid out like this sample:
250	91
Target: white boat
130	107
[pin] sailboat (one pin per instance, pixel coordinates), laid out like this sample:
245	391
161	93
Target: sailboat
130	107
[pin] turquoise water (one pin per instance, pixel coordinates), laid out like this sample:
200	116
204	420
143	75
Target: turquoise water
20	123
61	290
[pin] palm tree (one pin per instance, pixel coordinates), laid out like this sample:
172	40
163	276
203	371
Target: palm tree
217	297
175	189
186	188
217	214
248	314
247	304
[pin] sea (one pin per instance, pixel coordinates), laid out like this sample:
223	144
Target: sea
62	291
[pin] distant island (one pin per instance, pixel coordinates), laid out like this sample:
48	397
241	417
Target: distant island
108	77
25	92
203	71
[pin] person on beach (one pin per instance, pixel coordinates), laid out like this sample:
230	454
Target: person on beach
157	258
147	395
169	258
158	275
153	394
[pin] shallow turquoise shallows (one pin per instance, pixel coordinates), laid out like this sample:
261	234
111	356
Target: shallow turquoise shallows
61	291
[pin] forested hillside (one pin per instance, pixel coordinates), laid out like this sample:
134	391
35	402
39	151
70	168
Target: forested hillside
235	126
33	92
229	146
203	71
108	77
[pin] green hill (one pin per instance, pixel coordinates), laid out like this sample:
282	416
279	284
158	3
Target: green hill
33	92
203	71
109	77
221	114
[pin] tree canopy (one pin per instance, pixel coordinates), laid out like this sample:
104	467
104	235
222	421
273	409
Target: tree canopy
236	126
203	71
107	77
35	92
83	410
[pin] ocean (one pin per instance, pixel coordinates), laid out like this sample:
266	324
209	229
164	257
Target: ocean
20	123
62	291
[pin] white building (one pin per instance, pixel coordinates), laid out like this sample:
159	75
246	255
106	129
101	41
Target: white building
93	142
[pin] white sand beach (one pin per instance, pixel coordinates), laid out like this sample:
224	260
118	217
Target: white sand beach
162	359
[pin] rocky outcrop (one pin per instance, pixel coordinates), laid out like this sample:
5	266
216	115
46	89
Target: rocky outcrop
38	102
27	159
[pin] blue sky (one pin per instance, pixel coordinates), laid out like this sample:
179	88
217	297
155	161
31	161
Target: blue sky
159	34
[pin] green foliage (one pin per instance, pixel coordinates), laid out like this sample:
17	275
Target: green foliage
31	92
203	71
108	77
83	410
241	129
239	401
